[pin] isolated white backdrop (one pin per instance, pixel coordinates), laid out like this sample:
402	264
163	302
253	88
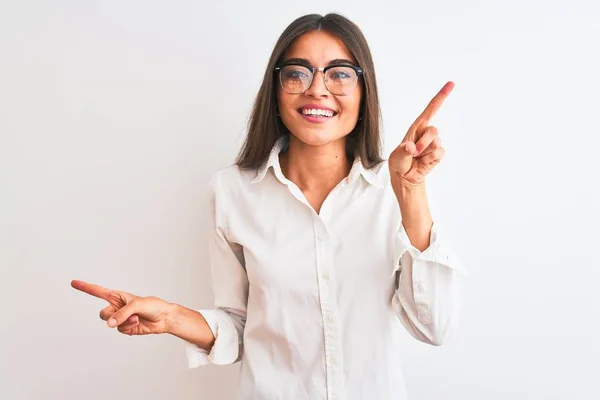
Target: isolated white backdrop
113	115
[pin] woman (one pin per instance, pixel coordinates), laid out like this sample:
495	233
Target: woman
321	252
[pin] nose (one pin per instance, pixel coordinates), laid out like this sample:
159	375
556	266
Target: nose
318	88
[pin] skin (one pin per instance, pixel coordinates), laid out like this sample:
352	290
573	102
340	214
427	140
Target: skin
316	162
415	157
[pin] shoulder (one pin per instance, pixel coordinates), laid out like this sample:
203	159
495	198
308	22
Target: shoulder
232	173
230	180
381	168
380	173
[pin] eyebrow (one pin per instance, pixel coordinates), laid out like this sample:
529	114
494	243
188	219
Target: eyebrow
332	62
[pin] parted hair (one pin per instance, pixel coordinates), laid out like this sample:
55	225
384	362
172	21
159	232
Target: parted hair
265	126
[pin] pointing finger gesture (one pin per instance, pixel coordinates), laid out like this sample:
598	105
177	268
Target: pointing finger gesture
420	150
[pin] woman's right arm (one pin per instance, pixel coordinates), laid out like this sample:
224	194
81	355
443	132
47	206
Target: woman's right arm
230	288
213	336
189	325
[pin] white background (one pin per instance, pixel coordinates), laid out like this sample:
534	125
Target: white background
113	115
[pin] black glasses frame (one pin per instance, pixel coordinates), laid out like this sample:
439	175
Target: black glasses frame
359	71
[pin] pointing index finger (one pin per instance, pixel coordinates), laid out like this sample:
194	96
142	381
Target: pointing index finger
435	103
89	288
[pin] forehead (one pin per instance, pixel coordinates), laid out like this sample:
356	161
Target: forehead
318	47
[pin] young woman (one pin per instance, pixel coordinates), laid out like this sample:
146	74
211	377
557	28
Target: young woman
321	251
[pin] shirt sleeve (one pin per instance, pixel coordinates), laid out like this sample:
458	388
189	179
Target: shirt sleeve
427	296
228	329
230	287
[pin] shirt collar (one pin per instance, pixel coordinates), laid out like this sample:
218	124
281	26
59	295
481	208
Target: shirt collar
273	161
357	170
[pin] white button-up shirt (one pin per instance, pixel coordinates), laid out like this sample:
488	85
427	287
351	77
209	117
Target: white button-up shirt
313	305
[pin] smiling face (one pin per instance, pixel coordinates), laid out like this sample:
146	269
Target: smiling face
317	117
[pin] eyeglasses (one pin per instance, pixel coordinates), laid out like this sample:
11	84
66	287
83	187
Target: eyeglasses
340	80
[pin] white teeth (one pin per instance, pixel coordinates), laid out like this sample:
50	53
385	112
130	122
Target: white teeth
317	112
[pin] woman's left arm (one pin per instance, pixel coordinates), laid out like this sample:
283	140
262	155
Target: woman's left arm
427	299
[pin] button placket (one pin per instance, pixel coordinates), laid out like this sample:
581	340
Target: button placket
328	307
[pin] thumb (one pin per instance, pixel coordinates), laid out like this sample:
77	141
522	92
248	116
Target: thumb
124	313
404	155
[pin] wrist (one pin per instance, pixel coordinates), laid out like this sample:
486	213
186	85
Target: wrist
416	217
411	200
172	315
410	190
189	325
414	207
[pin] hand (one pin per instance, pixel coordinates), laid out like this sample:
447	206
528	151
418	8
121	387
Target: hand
420	150
132	315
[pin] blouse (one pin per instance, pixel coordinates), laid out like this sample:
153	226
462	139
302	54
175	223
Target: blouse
312	304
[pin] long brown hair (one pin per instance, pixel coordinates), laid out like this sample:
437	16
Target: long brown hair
264	125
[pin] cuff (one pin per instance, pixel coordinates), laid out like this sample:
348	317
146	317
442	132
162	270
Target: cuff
437	263
225	349
439	251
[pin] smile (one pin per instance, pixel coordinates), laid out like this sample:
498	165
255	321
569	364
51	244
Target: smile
317	112
316	115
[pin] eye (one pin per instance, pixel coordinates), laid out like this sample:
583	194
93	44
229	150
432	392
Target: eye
340	73
295	72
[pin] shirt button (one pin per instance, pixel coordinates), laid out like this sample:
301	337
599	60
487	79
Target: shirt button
325	275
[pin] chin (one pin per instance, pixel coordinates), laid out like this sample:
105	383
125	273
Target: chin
319	137
317	134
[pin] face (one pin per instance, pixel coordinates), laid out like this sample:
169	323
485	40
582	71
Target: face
340	114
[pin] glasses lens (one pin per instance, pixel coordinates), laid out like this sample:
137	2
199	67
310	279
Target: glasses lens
341	80
295	78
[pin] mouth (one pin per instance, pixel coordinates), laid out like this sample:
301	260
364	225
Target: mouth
317	115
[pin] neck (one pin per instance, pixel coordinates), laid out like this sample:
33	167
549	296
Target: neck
315	168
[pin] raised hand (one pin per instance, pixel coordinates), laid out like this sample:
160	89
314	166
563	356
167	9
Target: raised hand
421	149
130	314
